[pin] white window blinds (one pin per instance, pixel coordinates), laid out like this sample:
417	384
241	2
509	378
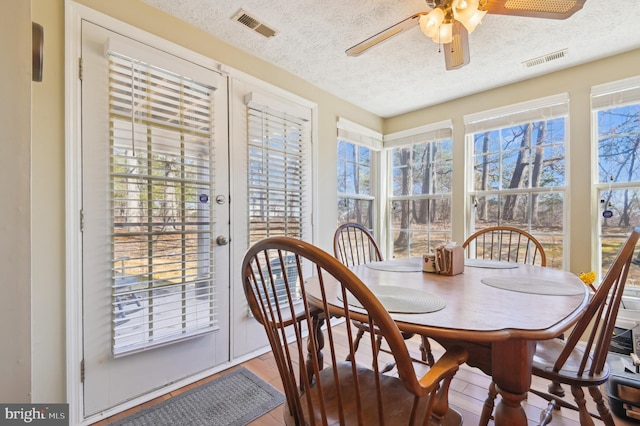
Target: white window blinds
279	155
430	132
279	179
616	94
512	115
161	127
355	133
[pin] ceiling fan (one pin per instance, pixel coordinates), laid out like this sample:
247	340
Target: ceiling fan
449	23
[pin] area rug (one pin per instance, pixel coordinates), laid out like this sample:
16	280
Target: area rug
234	399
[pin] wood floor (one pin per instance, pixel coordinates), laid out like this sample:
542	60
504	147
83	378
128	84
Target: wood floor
467	394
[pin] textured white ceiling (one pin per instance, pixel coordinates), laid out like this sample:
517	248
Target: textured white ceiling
407	72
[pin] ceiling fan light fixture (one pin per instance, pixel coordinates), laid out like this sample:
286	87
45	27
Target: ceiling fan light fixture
467	12
474	20
463	9
445	33
430	23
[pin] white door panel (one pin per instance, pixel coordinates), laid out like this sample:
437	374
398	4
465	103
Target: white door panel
111	380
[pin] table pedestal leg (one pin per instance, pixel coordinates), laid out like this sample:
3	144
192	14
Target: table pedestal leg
511	363
509	410
318	343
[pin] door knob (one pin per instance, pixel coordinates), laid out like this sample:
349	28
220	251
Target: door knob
222	240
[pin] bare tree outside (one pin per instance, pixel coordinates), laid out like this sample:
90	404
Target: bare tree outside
618	180
519	180
420	200
355	198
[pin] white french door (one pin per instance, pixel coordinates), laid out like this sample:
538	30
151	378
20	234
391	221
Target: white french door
155	219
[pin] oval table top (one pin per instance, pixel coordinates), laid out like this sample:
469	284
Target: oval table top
479	304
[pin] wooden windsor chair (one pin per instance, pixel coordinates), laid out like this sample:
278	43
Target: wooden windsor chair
353	244
506	244
577	364
342	392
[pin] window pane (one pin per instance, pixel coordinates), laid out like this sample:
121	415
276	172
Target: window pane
487	172
623	210
354	210
351	181
549	167
364	156
401	171
618	144
487	211
515	210
515	173
547	209
364	180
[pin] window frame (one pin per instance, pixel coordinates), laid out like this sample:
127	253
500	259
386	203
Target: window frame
362	137
428	134
609	97
529	112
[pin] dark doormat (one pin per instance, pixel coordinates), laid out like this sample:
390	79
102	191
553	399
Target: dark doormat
234	399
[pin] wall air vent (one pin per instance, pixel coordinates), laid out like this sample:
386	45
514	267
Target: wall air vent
246	19
545	58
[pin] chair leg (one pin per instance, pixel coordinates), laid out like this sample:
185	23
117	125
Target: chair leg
603	409
578	396
388	366
489	403
555	388
425	350
356	342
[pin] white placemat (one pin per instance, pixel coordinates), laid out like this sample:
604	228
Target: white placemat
524	284
407	264
403	300
490	264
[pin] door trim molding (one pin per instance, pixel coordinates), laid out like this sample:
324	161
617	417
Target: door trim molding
73	238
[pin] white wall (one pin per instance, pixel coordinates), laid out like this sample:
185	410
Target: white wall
47	203
15	210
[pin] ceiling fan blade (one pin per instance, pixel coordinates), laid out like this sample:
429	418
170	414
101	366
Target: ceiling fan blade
557	9
456	53
363	46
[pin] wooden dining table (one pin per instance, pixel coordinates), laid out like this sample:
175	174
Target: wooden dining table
497	311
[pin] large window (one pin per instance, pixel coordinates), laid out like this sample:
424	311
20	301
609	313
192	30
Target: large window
358	152
517	171
421	168
616	110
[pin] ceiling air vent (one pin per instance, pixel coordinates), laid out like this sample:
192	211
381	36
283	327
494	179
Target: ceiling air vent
251	22
546	58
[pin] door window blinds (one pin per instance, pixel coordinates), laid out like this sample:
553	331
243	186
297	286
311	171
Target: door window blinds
279	189
161	136
278	171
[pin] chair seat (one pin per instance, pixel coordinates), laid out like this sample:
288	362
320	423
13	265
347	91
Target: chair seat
548	351
396	406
